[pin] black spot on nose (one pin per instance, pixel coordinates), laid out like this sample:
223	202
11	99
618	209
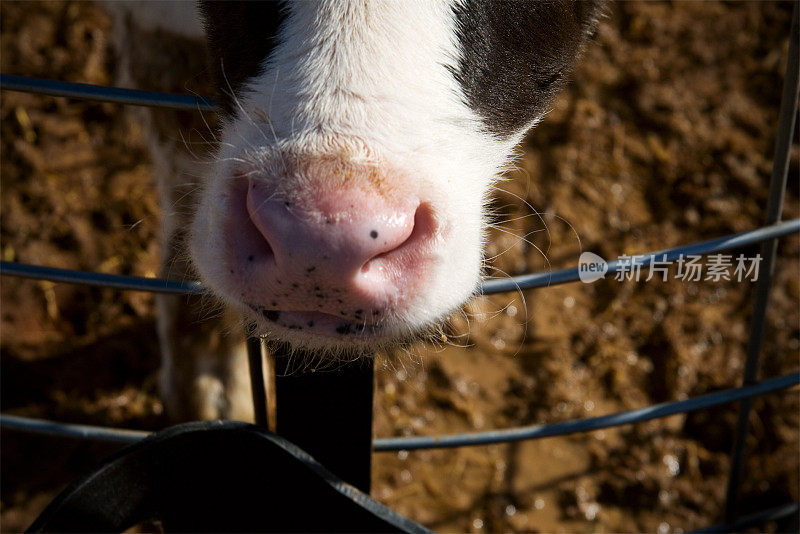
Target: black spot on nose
309	269
374	234
310	323
250	258
344	329
271	315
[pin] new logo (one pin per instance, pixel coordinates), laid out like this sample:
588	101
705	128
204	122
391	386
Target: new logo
591	267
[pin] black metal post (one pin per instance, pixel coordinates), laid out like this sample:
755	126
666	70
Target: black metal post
328	413
780	170
254	361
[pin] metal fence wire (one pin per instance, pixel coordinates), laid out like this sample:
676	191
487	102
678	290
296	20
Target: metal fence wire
767	235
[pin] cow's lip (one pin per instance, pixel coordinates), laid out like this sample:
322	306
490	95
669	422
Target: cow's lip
318	323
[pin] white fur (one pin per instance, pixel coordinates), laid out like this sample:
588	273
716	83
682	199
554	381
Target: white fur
373	79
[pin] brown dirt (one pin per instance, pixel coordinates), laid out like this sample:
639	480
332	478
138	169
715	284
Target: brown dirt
664	138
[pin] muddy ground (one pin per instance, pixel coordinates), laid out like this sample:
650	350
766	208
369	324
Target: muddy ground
665	137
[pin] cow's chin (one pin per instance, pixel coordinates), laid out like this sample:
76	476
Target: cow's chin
328	337
332	339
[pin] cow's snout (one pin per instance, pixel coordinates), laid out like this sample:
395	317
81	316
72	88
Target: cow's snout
330	248
350	235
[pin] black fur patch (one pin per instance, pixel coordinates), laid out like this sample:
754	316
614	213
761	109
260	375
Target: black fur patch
241	35
516	55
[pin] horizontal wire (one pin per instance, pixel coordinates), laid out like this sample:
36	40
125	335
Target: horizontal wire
116	281
758	518
117	435
40	426
68	430
119	95
562	276
526	281
584	425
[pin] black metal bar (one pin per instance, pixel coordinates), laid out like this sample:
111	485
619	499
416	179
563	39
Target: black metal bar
328	413
216	476
118	95
769	249
255	364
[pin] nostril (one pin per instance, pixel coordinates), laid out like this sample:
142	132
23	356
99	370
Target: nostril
424	224
256	202
424	228
251	243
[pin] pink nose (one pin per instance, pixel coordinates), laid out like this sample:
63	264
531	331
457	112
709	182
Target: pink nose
341	233
348	251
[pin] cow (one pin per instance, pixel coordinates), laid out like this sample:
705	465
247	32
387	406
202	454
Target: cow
340	204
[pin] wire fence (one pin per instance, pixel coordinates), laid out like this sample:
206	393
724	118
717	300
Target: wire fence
629	417
488	287
767	236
